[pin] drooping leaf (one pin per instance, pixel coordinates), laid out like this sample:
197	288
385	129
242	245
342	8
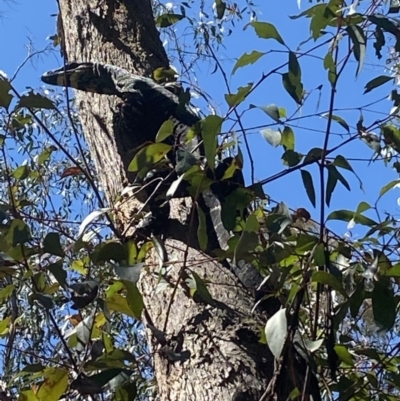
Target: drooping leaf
266	30
52	245
344	354
147	157
383	306
246	59
377	82
291	158
357	36
210	128
237	98
321	16
326	278
287	138
329	64
109	251
391	136
134	298
273	137
119	304
21	172
202	236
308	185
314	154
333	177
338	119
58	272
294	67
129	273
18	233
35	101
293	88
220	7
347	215
388	186
166	20
330	186
272	110
54	385
379	42
276	332
5	97
166	130
199	287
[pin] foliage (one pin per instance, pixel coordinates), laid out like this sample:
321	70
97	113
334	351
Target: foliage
68	287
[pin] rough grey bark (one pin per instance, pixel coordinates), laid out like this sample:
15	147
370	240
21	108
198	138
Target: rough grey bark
216	347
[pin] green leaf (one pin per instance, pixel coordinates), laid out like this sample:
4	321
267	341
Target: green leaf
394	271
329	64
338	119
287	138
220	7
147	157
376	82
391	135
330	186
237	98
119	304
357	36
380	42
56	269
362	207
51	245
314	154
54	385
166	20
347	215
383	306
247	59
319	255
291	158
334	171
165	131
202	236
344	354
276	332
199	287
45	155
294	67
308	185
210	128
321	16
134	298
185	160
109	251
35	101
129	273
5	97
272	136
272	110
293	88
328	279
21	172
265	30
18	233
388	187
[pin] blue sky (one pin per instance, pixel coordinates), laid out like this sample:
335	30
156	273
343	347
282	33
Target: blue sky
29	21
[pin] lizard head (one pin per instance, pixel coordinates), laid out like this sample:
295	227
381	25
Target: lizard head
89	77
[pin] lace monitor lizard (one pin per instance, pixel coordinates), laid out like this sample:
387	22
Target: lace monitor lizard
145	106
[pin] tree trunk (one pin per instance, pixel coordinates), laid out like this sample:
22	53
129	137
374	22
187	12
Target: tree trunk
212	349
